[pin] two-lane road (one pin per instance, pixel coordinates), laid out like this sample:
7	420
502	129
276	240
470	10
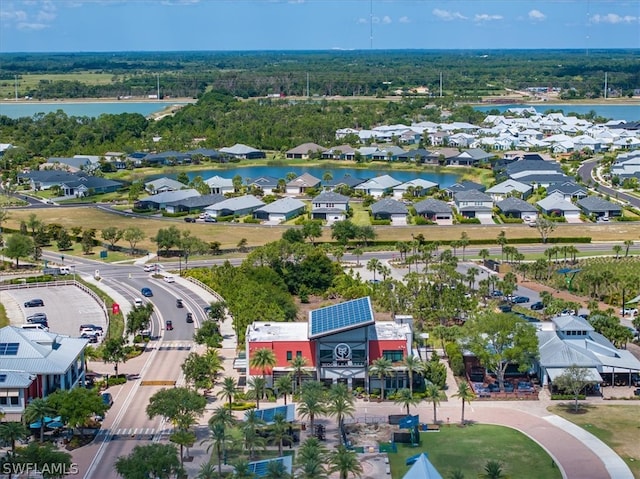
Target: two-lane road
586	175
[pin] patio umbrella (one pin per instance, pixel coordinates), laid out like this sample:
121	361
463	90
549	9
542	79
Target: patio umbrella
55	425
47	420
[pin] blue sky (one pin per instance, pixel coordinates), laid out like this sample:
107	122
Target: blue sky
174	25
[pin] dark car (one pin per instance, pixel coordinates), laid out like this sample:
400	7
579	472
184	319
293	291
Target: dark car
537	306
189	219
91	337
91	326
37	318
636	392
169	326
179	303
33	303
189	317
505	308
146	292
107	399
520	299
496	293
209	219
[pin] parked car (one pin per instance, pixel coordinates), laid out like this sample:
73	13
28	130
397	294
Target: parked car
146	292
92	327
629	311
107	399
169	279
38	326
189	219
189	317
537	306
179	303
35	318
636	392
496	293
92	338
209	219
520	299
505	308
169	325
33	303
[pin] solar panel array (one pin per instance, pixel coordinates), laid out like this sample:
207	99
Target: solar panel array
268	415
9	349
260	468
340	317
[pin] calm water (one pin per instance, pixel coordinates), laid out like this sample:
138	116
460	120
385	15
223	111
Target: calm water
613	112
443	179
18	110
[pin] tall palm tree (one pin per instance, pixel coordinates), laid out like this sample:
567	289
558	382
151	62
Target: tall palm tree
228	391
215	364
279	431
405	399
312	402
36	411
298	364
263	359
627	245
277	470
219	438
617	249
373	265
381	368
242	471
250	432
11	432
466	394
207	471
311	460
257	386
183	438
345	462
340	403
414	365
432	395
283	386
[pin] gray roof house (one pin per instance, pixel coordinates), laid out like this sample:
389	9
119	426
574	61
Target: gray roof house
87	185
220	185
378	186
52	361
555	205
305	151
170	157
45	179
463	186
388	153
569	189
508	188
475	204
340	152
280	210
160	201
299	185
243	152
418	155
390	209
193	203
435	210
213	155
330	206
513	207
86	163
541	180
418	187
266	183
599	207
238	206
471	157
346	180
160	185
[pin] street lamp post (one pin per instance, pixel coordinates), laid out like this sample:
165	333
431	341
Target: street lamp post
73	269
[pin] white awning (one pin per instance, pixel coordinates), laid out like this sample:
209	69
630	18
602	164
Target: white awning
594	375
634	300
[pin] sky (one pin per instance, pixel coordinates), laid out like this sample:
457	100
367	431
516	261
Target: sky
232	25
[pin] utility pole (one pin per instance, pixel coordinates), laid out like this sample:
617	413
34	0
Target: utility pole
605	85
16	86
308	93
158	85
440	84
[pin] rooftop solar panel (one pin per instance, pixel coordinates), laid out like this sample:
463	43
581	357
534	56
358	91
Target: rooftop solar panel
268	415
340	317
9	349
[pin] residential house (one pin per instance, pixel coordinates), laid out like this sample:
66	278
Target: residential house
388	153
77	163
471	157
509	188
474	204
160	185
418	155
341	152
569	190
378	186
513	207
556	205
435	210
118	159
346	180
300	185
243	152
238	206
461	140
463	186
170	157
440	157
160	201
89	185
330	206
193	204
266	183
305	151
280	210
208	153
36	363
390	209
626	165
219	185
541	180
136	158
594	206
414	188
46	179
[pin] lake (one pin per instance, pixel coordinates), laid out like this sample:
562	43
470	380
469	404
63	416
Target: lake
443	179
90	109
627	113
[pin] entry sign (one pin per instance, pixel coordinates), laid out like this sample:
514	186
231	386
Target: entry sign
342	352
103	254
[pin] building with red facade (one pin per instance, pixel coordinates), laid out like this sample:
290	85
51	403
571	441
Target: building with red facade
339	343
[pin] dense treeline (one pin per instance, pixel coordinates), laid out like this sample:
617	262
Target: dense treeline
249	74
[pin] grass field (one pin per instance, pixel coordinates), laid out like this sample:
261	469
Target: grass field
468	449
616	426
27	82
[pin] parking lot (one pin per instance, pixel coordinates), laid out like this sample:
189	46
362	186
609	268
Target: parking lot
66	307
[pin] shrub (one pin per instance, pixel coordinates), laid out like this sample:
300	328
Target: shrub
566	397
469	221
174	215
421	220
242	406
225	219
381	222
249	219
510	220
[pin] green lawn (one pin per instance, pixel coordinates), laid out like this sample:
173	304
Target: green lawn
360	215
468	449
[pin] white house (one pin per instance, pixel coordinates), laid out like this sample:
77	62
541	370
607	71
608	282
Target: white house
219	185
475	204
508	188
300	185
556	205
378	186
330	206
419	187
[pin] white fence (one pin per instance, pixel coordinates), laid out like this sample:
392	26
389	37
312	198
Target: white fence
199	283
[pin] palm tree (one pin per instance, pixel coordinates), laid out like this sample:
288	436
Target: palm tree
345	462
405	398
36	411
373	265
219	439
283	386
627	245
279	431
11	432
277	470
250	432
617	249
358	252
382	368
298	364
492	470
228	390
414	365
340	403
263	359
257	386
215	363
207	471
312	402
464	242
466	394
183	438
242	471
311	460
432	395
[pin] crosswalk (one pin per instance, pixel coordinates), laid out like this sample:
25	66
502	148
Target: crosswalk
139	433
174	346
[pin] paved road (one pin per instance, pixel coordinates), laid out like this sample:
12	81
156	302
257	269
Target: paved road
586	175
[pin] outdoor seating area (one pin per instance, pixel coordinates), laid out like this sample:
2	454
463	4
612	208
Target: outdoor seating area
513	389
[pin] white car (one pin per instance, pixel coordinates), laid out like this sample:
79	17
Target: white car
629	311
169	279
137	302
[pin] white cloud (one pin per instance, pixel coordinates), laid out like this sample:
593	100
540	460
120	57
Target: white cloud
31	26
386	19
536	15
404	20
447	15
613	18
31	16
363	21
485	17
